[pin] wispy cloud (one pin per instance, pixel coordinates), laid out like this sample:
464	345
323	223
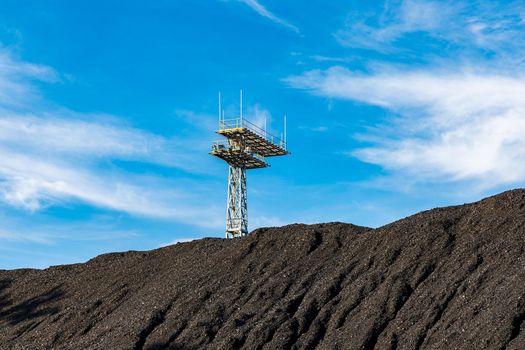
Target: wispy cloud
176	241
266	221
462	27
261	10
457	116
16	77
320	128
50	155
379	30
65	133
449	126
25	238
21	231
321	58
259	116
33	183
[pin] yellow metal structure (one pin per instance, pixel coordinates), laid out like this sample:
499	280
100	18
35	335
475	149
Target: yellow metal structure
246	146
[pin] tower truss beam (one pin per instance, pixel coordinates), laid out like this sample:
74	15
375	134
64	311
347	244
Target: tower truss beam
237	206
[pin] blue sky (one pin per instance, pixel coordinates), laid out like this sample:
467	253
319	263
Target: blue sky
107	113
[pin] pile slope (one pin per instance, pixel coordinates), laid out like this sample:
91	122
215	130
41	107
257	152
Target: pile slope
449	278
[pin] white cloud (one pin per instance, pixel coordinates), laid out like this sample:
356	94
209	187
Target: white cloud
259	116
454	26
26	238
180	240
31	183
261	10
15	80
379	30
19	230
321	58
318	129
457	114
50	155
266	221
70	135
262	118
451	126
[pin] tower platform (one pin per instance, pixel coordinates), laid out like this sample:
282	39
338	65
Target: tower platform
254	137
236	156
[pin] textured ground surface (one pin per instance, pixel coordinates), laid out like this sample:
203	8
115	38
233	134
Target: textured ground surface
443	279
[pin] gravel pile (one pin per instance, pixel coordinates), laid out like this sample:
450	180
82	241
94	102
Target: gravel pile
449	278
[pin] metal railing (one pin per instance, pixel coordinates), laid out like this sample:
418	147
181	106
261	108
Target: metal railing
243	123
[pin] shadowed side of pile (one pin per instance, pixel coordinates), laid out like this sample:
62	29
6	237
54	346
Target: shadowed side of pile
446	278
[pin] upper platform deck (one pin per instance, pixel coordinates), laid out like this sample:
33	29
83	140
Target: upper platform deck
253	137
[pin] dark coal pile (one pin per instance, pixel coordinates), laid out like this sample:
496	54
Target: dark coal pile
451	278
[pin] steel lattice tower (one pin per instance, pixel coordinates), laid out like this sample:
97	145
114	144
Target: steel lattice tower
246	147
237	208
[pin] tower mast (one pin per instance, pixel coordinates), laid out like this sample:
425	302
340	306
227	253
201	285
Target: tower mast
246	146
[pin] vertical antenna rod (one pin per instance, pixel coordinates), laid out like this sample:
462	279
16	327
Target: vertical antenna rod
285	131
220	109
241	107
